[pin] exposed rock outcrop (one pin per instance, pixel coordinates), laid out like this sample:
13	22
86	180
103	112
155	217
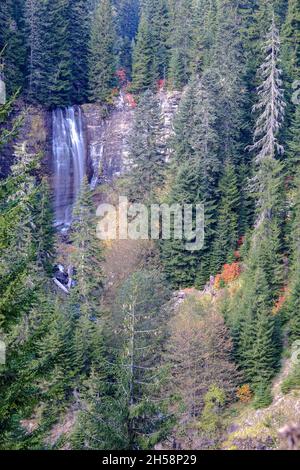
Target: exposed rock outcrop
107	139
107	135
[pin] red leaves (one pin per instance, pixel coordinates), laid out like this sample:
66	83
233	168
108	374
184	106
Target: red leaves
229	273
160	84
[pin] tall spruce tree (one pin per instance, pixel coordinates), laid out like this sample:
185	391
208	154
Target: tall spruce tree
102	60
85	296
146	155
291	40
142	57
12	43
258	344
79	27
127	26
181	43
227	228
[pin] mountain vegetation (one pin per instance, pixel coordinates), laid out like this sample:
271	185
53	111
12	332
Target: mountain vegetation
189	335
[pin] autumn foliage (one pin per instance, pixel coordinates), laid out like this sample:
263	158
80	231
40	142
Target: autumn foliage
229	273
160	84
244	393
130	100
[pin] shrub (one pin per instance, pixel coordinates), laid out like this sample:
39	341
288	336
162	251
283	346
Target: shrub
292	382
244	393
263	397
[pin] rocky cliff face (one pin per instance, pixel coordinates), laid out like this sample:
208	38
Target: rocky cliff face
107	136
107	139
35	132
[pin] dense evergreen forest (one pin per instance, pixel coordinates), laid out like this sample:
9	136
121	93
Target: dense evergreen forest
187	340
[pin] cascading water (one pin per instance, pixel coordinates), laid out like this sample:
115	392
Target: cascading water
69	161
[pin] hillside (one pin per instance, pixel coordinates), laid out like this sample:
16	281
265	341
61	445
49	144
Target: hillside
149	225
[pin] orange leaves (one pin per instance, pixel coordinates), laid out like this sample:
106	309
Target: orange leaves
244	393
218	281
229	273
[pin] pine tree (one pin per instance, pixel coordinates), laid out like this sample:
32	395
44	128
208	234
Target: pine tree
147	158
225	75
49	52
12	43
181	43
159	39
56	72
141	305
227	233
127	26
194	171
34	11
142	72
293	150
292	308
101	61
291	39
18	195
79	39
271	101
85	296
259	345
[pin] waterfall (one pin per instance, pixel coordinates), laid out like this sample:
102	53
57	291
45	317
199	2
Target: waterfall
69	161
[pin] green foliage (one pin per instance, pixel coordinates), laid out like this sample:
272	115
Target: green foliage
226	235
142	57
101	60
181	40
12	43
79	35
214	399
263	397
146	151
292	382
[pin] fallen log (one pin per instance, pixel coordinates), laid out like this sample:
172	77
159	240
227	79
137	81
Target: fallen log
60	285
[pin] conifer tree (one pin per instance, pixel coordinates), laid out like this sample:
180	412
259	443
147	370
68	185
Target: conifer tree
292	308
18	194
259	343
143	315
56	73
34	11
101	61
127	26
225	75
79	39
12	43
271	100
181	43
159	38
226	235
142	72
195	171
291	40
146	155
